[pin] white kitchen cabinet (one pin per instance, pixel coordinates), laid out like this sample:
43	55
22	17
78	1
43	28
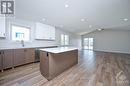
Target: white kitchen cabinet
2	26
44	31
51	33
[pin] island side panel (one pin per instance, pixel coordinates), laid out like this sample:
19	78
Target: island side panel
60	62
44	64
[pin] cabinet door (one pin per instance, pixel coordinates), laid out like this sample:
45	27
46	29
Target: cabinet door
39	31
7	59
0	60
52	33
44	31
44	63
2	26
29	55
19	57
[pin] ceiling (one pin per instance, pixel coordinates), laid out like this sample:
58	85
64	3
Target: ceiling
79	16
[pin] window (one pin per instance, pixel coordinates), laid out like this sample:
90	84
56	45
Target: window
88	43
20	33
64	39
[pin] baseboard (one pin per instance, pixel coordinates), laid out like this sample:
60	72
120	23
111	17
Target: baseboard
113	51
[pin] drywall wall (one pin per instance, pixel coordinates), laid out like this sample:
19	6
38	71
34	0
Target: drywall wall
111	40
74	39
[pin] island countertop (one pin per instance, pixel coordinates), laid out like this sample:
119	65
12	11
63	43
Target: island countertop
58	49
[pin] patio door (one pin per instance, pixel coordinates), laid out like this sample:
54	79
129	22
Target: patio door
88	43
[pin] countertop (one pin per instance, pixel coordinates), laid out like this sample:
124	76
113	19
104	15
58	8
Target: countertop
6	48
58	49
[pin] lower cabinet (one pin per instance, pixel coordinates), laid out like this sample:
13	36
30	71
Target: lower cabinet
53	64
0	60
15	57
7	59
19	57
29	55
23	56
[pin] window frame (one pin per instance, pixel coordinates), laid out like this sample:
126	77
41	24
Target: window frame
23	26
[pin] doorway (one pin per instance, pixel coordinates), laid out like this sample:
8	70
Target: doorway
88	43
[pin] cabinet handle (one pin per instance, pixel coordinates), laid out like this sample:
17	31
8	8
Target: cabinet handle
47	54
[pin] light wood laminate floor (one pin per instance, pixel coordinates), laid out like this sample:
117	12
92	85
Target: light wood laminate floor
93	69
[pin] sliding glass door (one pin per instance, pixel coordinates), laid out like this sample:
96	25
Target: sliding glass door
88	43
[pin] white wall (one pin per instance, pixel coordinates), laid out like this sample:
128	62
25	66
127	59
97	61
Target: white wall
111	40
74	39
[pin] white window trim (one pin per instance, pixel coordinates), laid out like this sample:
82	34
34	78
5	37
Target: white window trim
19	25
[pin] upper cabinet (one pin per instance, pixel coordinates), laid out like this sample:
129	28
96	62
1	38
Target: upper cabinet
2	26
44	31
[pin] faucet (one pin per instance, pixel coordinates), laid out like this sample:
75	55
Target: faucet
22	42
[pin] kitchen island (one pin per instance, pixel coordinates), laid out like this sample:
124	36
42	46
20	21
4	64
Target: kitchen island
54	61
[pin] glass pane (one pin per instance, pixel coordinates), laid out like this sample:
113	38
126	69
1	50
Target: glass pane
19	35
86	45
62	39
66	40
91	43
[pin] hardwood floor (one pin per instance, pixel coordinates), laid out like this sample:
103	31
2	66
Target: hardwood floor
93	69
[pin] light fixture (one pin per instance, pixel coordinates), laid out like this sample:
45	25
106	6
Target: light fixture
43	19
99	29
66	5
82	20
125	19
90	26
61	26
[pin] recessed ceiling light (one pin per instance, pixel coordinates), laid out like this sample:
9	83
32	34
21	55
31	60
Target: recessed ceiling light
66	5
90	26
100	29
82	20
125	19
43	19
61	26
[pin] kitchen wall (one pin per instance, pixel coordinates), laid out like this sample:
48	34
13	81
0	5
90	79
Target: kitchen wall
111	40
74	39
